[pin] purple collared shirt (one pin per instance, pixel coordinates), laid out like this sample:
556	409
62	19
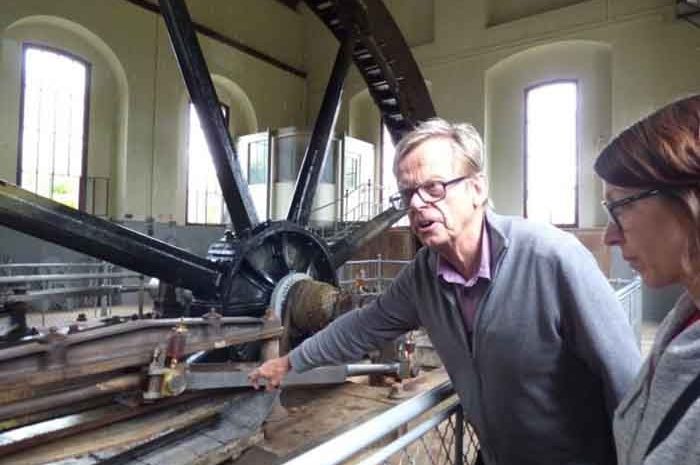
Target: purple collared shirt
469	290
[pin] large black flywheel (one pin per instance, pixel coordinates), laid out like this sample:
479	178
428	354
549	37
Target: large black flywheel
272	252
268	256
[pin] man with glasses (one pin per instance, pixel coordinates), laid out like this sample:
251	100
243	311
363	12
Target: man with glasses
530	332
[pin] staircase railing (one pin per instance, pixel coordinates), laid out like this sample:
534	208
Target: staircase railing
354	206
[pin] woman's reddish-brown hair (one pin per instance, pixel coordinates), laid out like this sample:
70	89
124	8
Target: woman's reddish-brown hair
662	151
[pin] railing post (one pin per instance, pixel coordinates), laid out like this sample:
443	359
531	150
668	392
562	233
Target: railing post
380	274
459	436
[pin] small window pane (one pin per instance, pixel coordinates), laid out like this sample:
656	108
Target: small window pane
257	159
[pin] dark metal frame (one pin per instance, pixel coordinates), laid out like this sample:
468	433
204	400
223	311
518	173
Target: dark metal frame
578	156
86	114
689	12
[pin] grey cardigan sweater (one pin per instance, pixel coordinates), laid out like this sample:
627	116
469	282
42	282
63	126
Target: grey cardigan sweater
676	363
551	356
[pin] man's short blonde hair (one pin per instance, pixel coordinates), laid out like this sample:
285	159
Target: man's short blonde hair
468	148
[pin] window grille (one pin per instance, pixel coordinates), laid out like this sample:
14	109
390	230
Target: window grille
54	113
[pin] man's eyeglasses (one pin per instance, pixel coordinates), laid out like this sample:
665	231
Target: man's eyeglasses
429	192
612	208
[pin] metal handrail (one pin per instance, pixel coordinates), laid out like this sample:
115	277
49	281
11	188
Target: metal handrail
344	446
65	277
373	261
359	189
413	435
51	265
341	198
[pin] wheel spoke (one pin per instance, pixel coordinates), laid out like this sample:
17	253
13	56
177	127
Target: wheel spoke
257	275
318	148
198	80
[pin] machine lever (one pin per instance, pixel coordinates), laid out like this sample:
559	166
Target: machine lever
218	377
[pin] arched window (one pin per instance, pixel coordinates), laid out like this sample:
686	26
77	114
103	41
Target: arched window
205	203
551	160
54	112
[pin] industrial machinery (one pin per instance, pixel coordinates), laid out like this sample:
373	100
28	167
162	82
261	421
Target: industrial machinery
263	282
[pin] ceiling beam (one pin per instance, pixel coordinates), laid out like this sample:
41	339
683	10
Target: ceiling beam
212	34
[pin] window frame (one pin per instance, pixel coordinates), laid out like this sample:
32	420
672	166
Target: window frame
577	155
227	114
82	189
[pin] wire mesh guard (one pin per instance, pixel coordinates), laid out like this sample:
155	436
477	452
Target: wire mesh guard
444	438
438	446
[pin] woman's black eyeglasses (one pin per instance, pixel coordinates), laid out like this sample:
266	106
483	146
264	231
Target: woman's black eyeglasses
611	207
429	192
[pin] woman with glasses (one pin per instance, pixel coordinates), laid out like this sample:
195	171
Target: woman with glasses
651	174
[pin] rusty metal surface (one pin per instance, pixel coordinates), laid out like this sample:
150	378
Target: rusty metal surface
207	425
71	396
27	368
311	305
38	433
